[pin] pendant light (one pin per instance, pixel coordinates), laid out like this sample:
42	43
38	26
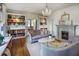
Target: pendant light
46	11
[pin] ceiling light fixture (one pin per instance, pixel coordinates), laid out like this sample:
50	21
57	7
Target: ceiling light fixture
46	11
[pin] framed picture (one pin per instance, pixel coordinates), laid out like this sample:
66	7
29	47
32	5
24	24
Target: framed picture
65	19
65	16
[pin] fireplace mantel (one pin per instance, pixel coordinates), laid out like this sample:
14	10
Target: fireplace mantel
66	25
71	29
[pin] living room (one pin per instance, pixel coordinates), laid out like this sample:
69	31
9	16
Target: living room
39	29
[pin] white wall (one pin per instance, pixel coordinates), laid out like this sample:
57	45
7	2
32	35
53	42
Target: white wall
56	16
50	20
33	16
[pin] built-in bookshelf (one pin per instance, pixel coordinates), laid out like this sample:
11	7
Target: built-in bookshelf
43	25
16	24
16	33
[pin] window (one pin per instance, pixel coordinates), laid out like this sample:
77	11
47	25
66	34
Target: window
32	23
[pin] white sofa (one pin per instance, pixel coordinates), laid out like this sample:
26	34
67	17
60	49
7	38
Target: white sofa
71	50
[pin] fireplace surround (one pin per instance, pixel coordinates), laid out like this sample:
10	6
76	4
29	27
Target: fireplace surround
66	32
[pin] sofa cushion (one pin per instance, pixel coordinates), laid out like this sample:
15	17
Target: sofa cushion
37	37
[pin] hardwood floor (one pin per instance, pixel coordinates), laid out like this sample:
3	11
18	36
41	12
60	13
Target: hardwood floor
22	51
17	48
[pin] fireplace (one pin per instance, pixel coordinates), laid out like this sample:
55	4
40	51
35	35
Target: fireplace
64	35
66	32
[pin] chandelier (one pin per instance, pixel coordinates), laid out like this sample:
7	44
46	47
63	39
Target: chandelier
46	11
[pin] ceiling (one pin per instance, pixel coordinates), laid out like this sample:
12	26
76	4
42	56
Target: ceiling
36	7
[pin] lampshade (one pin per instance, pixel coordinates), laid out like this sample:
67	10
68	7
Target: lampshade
46	11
